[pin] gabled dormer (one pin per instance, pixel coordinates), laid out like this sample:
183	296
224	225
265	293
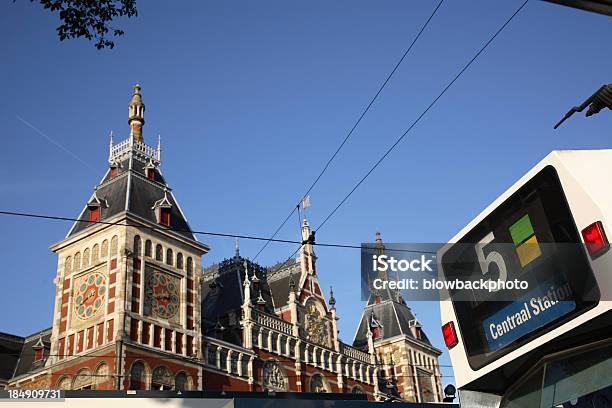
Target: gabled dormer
94	207
376	328
114	167
39	350
163	210
150	170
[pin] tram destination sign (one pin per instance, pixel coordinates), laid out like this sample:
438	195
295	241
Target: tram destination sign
531	237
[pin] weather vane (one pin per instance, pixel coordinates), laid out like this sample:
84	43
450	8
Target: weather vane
599	100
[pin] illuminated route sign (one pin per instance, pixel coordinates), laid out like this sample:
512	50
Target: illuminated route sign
531	237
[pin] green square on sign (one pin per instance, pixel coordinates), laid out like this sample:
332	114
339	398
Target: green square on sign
521	230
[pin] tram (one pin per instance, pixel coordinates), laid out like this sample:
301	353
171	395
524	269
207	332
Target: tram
550	345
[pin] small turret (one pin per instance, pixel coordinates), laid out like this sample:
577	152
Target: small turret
136	115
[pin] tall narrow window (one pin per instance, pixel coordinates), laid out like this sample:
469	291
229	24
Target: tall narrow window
113	171
165	216
137	246
189	266
137	373
94	214
158	253
169	257
148	248
180	382
151	174
179	260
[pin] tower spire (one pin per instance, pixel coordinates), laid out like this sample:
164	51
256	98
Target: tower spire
379	247
136	115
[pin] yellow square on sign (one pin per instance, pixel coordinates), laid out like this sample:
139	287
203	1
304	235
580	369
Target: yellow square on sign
528	251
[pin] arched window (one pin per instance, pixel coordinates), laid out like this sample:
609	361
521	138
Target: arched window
159	253
86	258
318	384
181	382
179	260
64	383
77	261
104	251
137	246
189	265
95	254
162	379
67	265
137	376
102	376
82	380
148	248
169	257
114	246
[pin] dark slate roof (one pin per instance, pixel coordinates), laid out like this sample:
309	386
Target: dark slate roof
26	364
10	349
17	354
131	185
144	194
279	279
395	318
222	288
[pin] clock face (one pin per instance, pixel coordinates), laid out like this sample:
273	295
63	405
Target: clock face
89	295
162	292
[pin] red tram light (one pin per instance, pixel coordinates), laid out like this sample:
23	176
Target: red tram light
450	335
595	239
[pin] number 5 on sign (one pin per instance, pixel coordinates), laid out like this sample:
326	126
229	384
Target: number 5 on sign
492	257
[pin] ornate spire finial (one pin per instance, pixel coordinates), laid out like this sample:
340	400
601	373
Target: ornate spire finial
379	247
136	115
237	249
254	279
247	281
219	327
260	300
291	283
332	299
158	147
110	146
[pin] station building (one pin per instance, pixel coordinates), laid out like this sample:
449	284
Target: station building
135	308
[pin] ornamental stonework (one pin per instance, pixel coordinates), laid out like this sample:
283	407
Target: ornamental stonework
273	377
315	325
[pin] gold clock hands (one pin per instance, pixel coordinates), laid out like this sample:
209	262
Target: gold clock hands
89	294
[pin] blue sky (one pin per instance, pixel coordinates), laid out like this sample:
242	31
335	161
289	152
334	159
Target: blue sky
251	98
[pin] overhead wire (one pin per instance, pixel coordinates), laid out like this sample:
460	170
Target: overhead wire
348	135
196	232
418	119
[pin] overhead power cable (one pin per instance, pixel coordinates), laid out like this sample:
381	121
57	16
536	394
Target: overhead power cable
417	120
209	233
365	111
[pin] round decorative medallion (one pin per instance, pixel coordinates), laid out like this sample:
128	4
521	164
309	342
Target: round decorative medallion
89	295
273	377
163	294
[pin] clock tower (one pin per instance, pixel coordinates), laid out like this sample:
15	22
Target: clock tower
127	284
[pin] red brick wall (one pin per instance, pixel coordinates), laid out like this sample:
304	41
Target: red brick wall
152	361
219	382
91	363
